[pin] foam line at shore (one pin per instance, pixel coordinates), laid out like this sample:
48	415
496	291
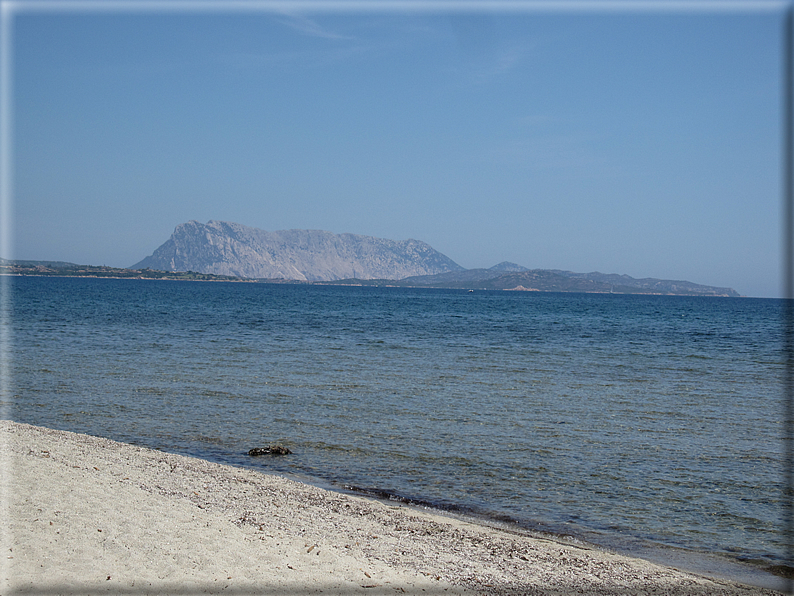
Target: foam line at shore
92	516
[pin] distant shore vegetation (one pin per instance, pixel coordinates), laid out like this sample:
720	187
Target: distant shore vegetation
63	269
526	281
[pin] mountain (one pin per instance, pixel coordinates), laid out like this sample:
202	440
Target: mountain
225	248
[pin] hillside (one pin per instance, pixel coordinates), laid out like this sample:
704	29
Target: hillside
548	280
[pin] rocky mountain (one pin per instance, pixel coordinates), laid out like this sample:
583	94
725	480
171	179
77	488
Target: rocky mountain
224	248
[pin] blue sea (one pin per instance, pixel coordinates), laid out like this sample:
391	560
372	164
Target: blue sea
647	424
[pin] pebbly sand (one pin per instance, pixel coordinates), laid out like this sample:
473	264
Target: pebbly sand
86	515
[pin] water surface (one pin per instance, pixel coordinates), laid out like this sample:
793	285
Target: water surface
625	420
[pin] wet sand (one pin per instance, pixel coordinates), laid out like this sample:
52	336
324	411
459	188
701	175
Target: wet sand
86	515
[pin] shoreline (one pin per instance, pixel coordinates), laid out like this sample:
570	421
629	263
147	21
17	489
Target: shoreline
707	564
89	515
361	283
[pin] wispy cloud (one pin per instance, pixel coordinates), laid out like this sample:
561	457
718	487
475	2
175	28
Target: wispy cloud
295	60
492	63
311	28
506	59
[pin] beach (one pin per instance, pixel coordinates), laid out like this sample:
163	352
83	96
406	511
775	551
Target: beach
87	515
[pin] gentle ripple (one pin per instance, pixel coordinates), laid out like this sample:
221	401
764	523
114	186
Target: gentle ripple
603	416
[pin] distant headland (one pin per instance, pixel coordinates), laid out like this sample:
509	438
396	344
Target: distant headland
225	251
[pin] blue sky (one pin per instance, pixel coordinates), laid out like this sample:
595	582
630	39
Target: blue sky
614	140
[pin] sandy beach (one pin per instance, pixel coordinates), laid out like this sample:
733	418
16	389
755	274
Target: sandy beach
86	515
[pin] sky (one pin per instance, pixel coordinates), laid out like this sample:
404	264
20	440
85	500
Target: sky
592	137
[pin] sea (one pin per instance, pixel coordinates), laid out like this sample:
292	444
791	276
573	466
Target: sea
649	425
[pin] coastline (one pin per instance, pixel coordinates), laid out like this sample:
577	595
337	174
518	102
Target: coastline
104	272
89	515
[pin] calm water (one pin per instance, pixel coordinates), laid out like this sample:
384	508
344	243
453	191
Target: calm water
631	421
